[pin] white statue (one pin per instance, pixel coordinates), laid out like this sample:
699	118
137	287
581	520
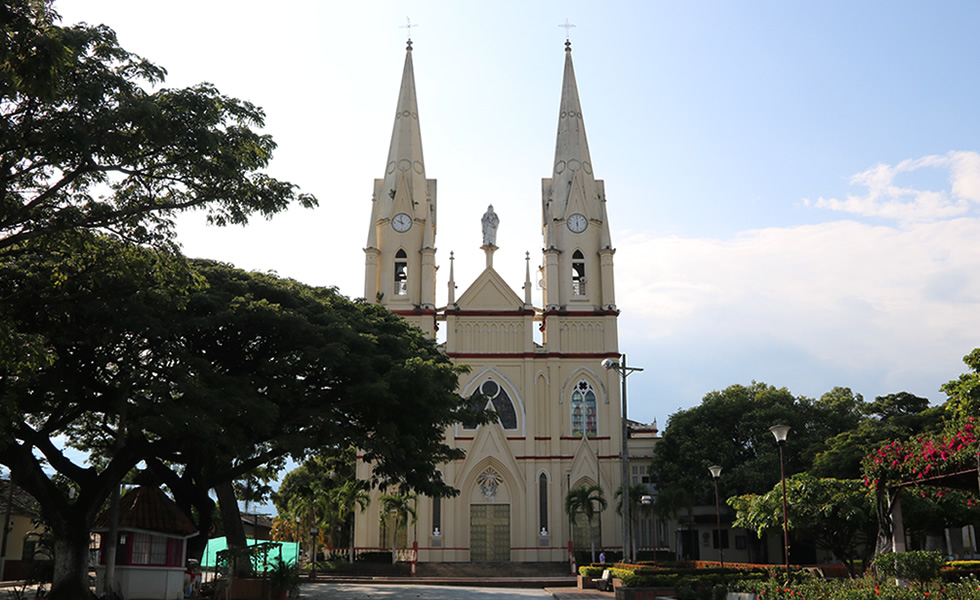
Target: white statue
490	221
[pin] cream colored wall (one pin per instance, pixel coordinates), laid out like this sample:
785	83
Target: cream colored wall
540	386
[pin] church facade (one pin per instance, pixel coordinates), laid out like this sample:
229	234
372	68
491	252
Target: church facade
559	422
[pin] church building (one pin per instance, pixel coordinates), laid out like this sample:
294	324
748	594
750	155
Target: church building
559	424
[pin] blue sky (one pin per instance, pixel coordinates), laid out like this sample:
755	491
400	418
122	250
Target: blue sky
793	186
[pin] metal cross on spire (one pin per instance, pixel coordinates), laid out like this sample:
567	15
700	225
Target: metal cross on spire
408	25
568	28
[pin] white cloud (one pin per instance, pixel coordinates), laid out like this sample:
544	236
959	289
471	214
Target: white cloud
909	204
841	297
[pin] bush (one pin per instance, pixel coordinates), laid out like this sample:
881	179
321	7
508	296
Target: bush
958	569
590	571
917	565
374	557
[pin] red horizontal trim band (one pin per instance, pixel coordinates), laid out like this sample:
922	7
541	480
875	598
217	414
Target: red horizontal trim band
410	312
542	355
520	312
578	437
580	313
552	457
465	439
548	437
517	439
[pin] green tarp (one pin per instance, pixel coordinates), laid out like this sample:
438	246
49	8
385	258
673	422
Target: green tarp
287	551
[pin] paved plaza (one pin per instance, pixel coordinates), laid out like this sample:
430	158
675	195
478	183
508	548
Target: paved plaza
371	591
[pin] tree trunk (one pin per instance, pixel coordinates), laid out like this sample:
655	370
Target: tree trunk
204	507
70	581
350	556
885	499
394	542
231	518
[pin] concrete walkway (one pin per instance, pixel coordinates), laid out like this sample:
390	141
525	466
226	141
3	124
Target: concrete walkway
403	588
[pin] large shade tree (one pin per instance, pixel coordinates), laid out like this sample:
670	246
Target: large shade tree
204	372
92	141
730	428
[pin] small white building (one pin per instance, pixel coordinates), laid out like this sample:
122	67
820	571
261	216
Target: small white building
152	546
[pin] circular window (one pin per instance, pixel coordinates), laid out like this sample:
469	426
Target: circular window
489	388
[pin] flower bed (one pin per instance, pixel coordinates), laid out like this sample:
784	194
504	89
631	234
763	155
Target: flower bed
865	588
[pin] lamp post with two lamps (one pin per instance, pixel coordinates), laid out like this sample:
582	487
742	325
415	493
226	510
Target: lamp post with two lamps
624	372
715	474
780	432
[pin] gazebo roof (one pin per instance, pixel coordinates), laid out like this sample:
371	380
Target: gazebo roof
149	509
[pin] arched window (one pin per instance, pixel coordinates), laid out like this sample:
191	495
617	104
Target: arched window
578	274
543	502
490	394
583	406
436	515
401	273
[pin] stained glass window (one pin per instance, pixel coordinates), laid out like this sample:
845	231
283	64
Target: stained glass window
491	394
583	406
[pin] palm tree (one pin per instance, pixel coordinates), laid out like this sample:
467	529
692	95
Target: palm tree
402	508
346	498
588	500
636	493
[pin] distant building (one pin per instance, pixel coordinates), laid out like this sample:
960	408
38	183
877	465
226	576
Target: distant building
21	545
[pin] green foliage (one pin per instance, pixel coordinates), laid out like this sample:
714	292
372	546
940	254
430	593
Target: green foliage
284	576
963	393
590	571
205	372
863	588
837	514
585	500
589	501
731	428
887	418
916	565
92	142
948	450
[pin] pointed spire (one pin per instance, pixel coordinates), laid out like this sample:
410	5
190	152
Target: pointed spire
572	148
452	279
527	279
405	153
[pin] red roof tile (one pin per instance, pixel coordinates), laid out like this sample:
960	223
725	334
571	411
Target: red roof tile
149	509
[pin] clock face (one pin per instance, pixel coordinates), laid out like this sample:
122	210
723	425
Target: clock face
577	223
401	222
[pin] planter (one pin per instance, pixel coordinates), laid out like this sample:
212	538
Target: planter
741	596
625	593
247	589
585	583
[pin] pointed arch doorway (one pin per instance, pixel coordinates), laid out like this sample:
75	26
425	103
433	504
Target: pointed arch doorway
489	519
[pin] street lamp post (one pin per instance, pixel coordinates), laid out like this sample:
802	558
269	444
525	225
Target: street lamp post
624	372
780	432
647	500
715	474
